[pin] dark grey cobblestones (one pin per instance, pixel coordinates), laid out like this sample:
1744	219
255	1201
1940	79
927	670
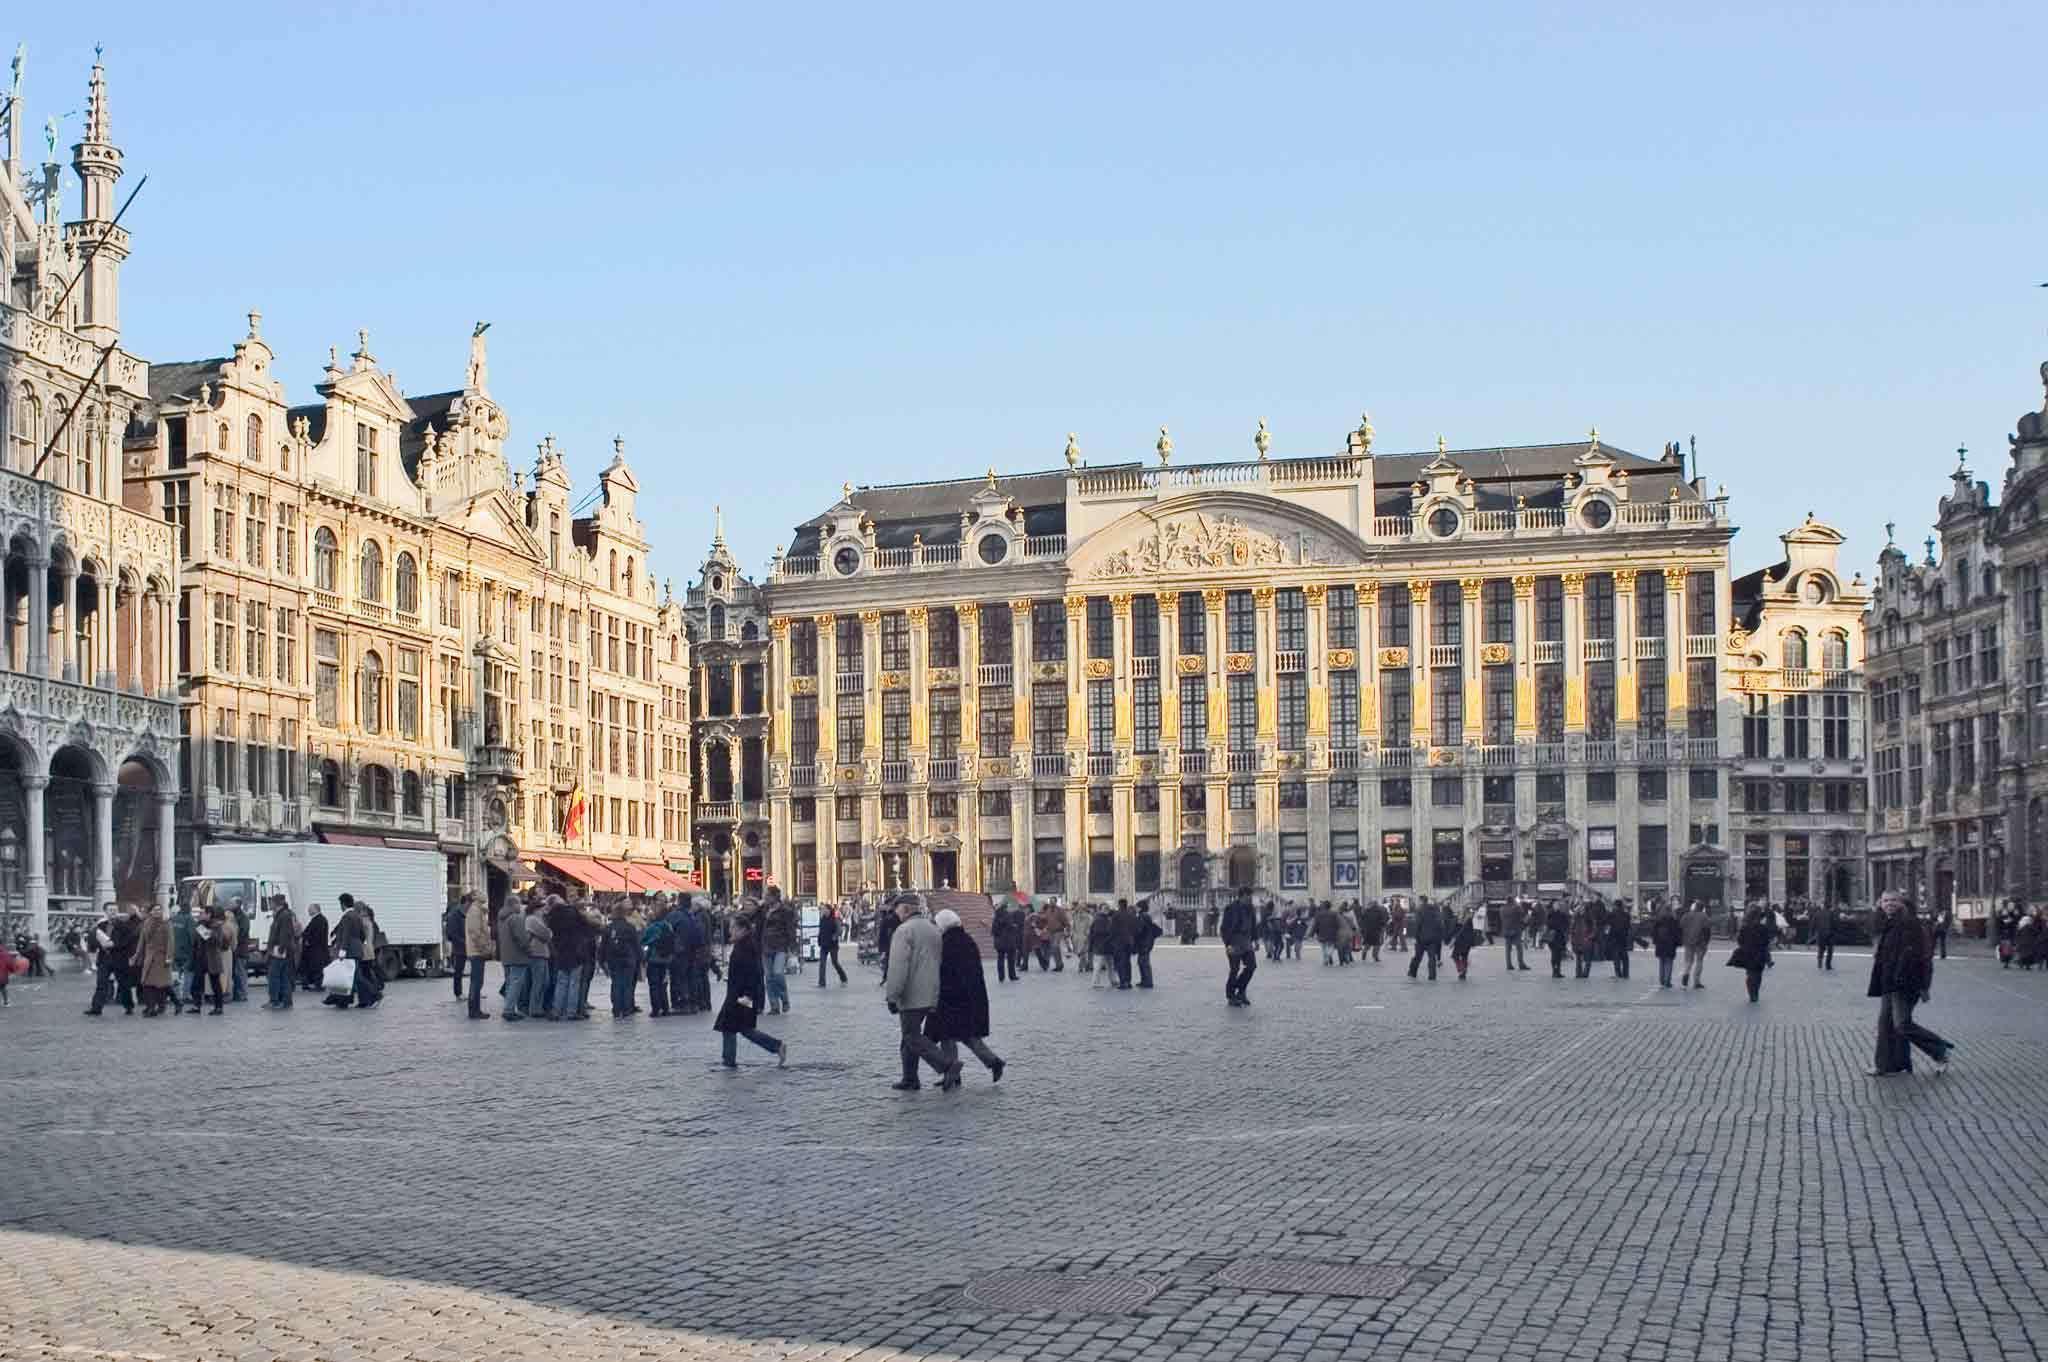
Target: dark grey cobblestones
1584	1170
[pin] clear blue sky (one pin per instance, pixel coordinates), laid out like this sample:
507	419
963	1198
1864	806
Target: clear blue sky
775	247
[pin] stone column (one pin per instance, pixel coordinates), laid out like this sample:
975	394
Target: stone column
1123	826
166	848
103	841
7	662
69	638
1021	683
1525	657
1369	668
1624	649
1169	689
825	824
35	883
1418	661
1263	662
1674	648
39	614
1575	652
920	688
1077	691
1217	795
136	608
1472	632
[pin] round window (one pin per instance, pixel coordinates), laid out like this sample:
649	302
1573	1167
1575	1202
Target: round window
1443	522
993	548
717	583
1598	514
846	562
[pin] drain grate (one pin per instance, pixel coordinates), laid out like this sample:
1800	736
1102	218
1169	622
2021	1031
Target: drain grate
1063	1292
1298	1277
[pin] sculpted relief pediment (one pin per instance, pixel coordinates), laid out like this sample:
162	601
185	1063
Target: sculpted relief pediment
1222	536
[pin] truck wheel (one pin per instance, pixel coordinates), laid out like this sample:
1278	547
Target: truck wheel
389	963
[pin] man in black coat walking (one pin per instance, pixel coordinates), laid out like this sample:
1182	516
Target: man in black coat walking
1149	932
1123	939
1901	975
452	933
1240	932
1824	937
1429	939
1557	933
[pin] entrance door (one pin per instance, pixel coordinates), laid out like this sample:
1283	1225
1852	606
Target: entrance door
1703	881
1244	868
496	884
945	869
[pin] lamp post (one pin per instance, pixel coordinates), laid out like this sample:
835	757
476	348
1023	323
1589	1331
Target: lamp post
10	855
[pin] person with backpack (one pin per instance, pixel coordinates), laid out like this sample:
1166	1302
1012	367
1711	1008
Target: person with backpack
620	945
658	949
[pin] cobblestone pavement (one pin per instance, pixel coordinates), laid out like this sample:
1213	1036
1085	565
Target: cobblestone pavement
1526	1168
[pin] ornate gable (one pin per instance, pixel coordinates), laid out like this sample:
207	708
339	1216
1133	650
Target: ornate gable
1214	532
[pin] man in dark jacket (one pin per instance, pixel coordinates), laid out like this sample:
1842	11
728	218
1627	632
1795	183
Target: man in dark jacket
1429	939
779	931
621	946
1665	936
1557	933
566	958
1240	932
1901	974
1372	927
1513	918
1149	933
828	943
689	987
885	928
1003	933
1823	921
458	955
658	953
313	949
1123	939
1621	938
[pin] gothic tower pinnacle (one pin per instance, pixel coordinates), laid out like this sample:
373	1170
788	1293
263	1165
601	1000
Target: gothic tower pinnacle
97	163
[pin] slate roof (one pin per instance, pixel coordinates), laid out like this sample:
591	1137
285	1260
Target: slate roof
429	408
1501	476
181	378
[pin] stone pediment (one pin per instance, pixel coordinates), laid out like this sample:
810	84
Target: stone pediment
491	517
1215	532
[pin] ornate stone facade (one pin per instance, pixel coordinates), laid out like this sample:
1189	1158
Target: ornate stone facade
88	719
1330	677
727	623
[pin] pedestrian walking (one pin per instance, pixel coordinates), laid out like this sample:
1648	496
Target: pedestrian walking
912	991
184	960
1327	928
114	936
1429	939
1695	933
961	1015
1123	940
1621	938
514	957
744	989
315	951
1902	977
153	962
658	953
1148	934
1372	928
540	969
1512	919
1081	925
694	934
1824	927
778	938
216	948
1557	931
1002	934
1240	932
1100	928
1054	933
283	947
1666	934
245	946
828	944
565	958
479	943
886	923
454	932
620	947
1463	939
1752	953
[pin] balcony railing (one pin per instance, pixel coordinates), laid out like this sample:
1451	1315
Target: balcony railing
1194	761
1049	765
1547	753
1795	678
373	610
1655	750
803	777
1649	649
1291	661
1045	546
1600	752
1344	758
1548	650
327	600
992	674
1496	755
849	682
1702	749
1445	654
1240	761
1700	645
1144	668
895	772
1647	515
717	811
1598	650
1102	763
942	770
1397	756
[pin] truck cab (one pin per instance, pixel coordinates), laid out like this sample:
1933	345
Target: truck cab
199	893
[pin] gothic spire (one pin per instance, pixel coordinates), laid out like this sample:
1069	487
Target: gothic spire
97	126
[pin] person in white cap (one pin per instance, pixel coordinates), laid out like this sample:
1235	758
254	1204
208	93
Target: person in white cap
961	1017
912	989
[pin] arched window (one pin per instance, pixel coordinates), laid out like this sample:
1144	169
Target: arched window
373	571
412	798
749	632
1834	651
631	580
675	649
370	689
326	560
223	446
717	621
253	446
1940	598
1795	651
330	784
615	570
407	594
1962	582
284	456
1990	580
377	788
58	469
28	426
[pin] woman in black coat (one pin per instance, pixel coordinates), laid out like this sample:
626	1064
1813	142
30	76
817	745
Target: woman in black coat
1621	933
1752	953
961	1018
313	956
1664	937
1901	972
745	987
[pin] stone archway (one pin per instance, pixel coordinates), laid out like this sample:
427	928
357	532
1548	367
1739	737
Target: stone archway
75	838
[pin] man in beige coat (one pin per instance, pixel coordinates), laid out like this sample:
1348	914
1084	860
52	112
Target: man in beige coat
477	946
912	989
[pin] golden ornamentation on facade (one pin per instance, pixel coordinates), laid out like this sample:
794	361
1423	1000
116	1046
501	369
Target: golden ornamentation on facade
1525	585
1443	756
1238	664
1077	606
871	618
1624	580
1342	658
1496	654
895	680
1418	589
1262	596
1120	603
1099	668
778	627
1473	587
1574	702
1145	766
803	685
824	621
1675	575
917	615
1368	593
1190	665
1020	607
1314	593
849	775
1169	600
1393	657
996	766
942	676
1049	671
1574	583
1753	680
1213	597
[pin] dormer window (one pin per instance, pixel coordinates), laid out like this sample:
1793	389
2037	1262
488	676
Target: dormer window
1443	522
366	459
992	548
846	562
1598	513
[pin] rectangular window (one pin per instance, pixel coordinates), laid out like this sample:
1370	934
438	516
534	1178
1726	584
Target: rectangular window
1048	631
1344	794
326	676
1145	626
1343	711
1549	607
1145	713
1294	860
1599	787
1447	792
1101	716
1397	871
1243	796
1497	605
1987	655
995	803
178	512
1293	711
1290	620
1396	792
1240	623
1194	713
1600	700
942	639
851	732
1966	753
255	640
287	649
943	804
1550	704
1651	786
1446	614
803	729
1500	705
1703	782
1340	626
803	648
1193	625
992	629
1835	726
998	721
1650	604
895	641
1796	711
1599	605
1653	854
1101	628
223	634
1394	622
895	725
366	459
1048	719
847	655
945	722
1397	706
255	529
409	694
1243	715
1699	603
1446	707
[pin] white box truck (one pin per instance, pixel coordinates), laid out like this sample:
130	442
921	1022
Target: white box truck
407	890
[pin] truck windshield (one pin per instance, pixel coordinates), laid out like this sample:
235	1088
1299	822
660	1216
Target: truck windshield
201	892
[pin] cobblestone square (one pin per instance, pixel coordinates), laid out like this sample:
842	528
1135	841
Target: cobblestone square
1356	1166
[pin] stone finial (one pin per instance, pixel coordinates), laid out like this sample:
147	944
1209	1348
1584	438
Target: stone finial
98	127
1442	445
1890	528
362	356
1263	440
1593	440
206	394
1165	447
1930	550
718	527
427	447
1962	456
1073	451
846	491
991	477
255	324
333	359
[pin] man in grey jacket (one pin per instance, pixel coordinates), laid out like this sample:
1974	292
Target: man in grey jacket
1695	933
912	990
513	956
1511	923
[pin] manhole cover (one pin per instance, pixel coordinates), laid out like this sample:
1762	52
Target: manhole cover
1063	1293
1315	1279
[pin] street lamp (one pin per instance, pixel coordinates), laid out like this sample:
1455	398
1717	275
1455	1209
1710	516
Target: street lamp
10	853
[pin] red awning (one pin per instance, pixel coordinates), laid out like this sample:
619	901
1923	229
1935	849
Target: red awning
589	873
334	837
665	880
